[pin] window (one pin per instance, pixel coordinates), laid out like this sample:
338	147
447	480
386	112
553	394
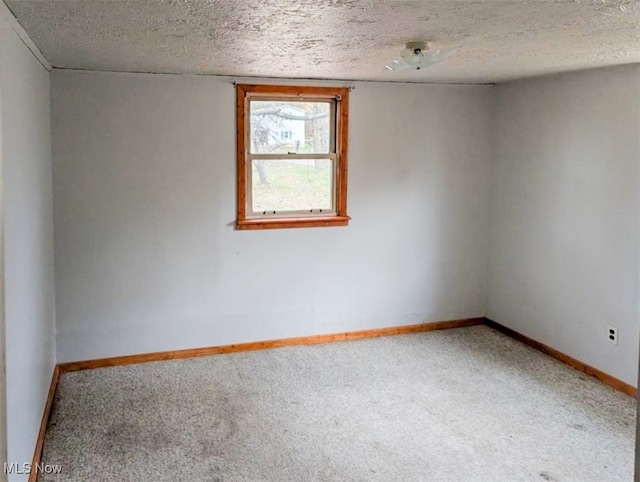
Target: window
292	156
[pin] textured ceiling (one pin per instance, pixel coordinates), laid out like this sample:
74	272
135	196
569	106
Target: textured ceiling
496	40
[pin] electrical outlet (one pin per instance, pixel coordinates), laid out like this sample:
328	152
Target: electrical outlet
612	334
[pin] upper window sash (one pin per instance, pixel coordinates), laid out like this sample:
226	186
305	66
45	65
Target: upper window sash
269	114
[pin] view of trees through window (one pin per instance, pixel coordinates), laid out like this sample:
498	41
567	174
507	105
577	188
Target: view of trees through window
291	129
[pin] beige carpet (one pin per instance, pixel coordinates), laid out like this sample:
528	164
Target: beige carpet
459	405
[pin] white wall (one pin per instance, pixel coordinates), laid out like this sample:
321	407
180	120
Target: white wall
3	358
565	214
147	258
27	199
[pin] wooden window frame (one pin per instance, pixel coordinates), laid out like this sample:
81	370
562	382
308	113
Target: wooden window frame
341	95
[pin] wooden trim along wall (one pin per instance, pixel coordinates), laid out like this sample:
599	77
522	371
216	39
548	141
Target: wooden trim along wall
351	335
37	455
263	345
217	350
311	340
566	359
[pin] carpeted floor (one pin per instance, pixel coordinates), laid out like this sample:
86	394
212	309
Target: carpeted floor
459	405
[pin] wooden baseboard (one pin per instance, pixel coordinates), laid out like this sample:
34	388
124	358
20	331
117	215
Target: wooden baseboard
310	340
558	355
37	455
263	345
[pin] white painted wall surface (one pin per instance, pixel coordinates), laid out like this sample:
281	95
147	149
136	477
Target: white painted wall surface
147	258
565	214
27	199
3	345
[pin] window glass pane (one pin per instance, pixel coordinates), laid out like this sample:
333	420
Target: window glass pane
292	185
278	127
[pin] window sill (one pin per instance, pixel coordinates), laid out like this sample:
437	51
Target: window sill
282	223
